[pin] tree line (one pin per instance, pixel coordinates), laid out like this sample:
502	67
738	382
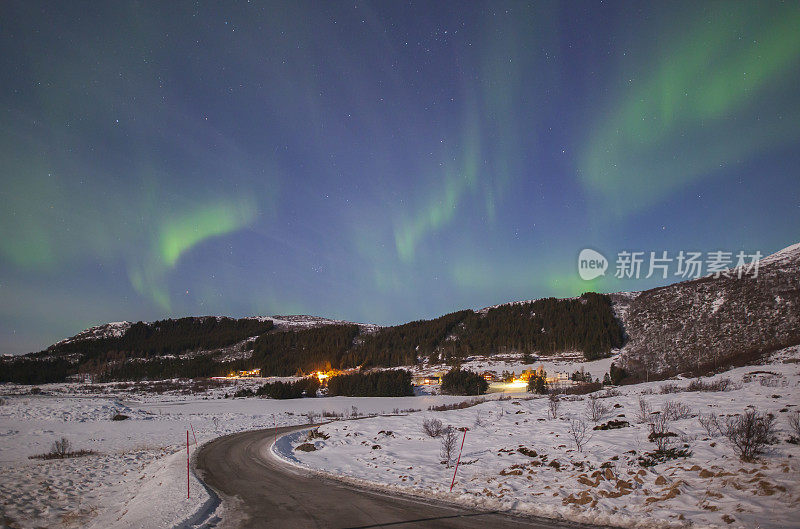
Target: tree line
158	350
143	351
388	383
305	387
463	382
165	337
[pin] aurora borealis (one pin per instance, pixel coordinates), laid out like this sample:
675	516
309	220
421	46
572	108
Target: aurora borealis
377	161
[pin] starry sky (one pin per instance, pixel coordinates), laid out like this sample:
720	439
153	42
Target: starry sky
378	161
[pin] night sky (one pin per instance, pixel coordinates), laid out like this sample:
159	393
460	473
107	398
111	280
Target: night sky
378	161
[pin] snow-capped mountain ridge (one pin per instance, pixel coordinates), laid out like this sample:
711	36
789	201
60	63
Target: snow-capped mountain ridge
108	330
283	323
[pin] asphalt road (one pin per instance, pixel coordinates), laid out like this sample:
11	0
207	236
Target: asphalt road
259	491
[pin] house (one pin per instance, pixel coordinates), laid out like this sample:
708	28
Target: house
427	380
558	378
253	373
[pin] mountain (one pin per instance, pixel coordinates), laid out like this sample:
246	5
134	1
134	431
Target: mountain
285	345
694	326
710	323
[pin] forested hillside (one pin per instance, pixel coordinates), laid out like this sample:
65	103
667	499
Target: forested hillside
284	353
193	347
585	324
160	349
165	337
404	344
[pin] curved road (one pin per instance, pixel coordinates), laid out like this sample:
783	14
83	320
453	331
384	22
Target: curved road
261	491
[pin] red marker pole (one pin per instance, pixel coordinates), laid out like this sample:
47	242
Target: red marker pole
193	435
459	460
275	423
187	464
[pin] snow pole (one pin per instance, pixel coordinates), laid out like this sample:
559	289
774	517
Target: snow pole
187	464
459	459
275	424
193	434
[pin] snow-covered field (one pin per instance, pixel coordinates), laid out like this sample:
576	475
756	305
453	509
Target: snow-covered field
517	458
138	477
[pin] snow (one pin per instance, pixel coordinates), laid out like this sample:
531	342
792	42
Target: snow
291	322
138	477
513	363
306	322
109	330
788	255
717	303
393	453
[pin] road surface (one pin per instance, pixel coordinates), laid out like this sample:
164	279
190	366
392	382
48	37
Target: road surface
261	491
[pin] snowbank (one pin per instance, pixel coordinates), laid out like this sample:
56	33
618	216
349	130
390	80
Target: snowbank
516	458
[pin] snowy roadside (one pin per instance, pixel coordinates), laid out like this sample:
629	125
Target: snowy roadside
516	458
137	479
161	498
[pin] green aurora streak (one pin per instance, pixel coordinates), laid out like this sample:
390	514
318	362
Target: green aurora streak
678	123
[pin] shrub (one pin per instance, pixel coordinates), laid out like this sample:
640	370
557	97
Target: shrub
448	448
676	411
581	376
432	427
244	392
481	420
553	402
463	382
538	383
722	384
670	388
612	425
596	410
119	417
794	425
581	389
62	449
750	433
457	405
644	411
661	439
710	424
659	431
314	433
579	433
651	459
615	376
